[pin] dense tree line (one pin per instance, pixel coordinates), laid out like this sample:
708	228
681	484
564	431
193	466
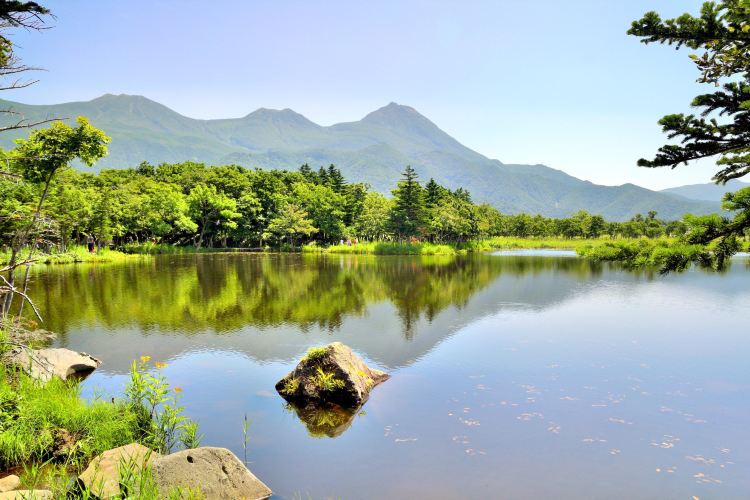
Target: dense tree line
231	206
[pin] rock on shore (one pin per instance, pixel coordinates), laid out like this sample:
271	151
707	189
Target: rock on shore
216	472
43	364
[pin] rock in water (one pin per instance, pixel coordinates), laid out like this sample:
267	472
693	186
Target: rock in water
330	374
216	472
102	477
43	364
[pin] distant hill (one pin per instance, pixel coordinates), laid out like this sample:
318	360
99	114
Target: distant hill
707	192
374	149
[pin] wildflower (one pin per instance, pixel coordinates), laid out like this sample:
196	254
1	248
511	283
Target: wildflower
159	364
145	359
178	390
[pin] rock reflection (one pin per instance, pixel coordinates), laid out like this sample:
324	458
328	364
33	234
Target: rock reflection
323	421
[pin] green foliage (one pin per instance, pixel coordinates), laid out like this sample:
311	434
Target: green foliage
188	207
47	150
407	215
386	248
327	381
722	130
160	419
290	386
34	414
212	208
290	223
315	353
722	31
664	254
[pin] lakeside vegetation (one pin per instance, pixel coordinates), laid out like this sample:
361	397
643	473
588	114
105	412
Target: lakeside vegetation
190	207
49	433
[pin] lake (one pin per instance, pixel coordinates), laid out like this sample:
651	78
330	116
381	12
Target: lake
513	376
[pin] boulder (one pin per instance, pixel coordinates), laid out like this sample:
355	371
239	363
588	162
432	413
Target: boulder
27	495
9	483
102	476
216	472
43	364
330	374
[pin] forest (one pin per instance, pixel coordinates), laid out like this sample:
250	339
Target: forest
192	204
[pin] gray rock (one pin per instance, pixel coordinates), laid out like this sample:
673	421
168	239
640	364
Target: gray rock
330	374
216	472
43	364
9	483
27	495
102	476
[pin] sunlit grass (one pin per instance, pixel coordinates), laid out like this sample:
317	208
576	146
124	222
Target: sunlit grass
384	248
72	255
32	414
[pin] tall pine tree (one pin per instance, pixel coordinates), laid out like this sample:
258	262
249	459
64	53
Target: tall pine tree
336	179
722	32
407	216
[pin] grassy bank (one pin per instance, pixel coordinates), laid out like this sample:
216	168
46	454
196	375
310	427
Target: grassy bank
49	433
514	243
488	245
73	255
385	248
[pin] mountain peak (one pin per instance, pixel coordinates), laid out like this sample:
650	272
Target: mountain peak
393	111
285	115
121	97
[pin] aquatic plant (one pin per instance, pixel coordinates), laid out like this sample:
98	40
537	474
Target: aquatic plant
290	386
315	353
160	419
327	381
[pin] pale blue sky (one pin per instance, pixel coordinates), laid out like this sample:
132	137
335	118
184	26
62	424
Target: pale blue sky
546	81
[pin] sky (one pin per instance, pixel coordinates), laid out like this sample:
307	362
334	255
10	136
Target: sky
545	81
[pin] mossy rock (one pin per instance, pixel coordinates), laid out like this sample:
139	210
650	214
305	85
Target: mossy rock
330	374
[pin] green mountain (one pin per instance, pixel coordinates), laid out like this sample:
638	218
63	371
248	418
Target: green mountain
374	149
706	192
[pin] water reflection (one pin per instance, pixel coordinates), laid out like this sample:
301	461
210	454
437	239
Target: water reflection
504	369
391	309
324	420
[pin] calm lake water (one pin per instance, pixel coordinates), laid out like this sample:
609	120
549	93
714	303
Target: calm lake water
513	376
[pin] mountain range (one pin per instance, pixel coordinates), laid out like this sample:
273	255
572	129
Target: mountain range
374	149
706	192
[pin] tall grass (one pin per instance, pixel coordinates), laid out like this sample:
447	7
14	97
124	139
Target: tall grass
149	248
384	248
34	414
72	255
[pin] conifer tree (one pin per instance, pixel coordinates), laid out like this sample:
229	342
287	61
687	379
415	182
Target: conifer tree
722	129
433	193
722	31
335	179
308	173
407	216
323	176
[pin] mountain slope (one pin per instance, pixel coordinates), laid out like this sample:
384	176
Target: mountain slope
374	149
706	192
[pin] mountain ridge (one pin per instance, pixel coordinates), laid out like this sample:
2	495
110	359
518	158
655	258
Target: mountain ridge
374	149
707	191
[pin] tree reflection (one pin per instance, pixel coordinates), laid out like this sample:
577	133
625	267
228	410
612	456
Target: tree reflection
223	293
